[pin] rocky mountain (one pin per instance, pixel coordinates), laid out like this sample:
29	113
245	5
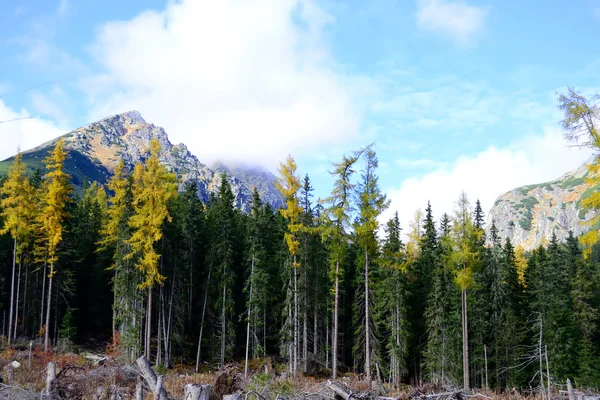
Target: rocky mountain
529	215
95	149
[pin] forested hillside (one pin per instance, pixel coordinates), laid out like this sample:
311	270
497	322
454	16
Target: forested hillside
137	267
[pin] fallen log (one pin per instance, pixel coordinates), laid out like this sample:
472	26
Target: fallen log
150	377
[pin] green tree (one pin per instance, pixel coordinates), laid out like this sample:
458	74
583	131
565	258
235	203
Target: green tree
372	202
336	221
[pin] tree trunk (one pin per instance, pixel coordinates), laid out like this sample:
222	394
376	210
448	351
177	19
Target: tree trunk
169	323
316	316
296	331
147	341
48	306
42	299
465	335
334	340
367	338
17	300
24	312
223	326
202	319
150	377
248	323
305	326
196	392
12	292
160	327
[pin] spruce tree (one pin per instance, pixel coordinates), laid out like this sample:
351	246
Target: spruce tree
372	202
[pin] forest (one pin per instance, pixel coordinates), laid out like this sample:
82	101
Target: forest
143	267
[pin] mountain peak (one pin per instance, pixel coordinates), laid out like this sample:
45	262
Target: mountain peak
96	149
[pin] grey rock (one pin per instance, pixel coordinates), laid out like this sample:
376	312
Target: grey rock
530	215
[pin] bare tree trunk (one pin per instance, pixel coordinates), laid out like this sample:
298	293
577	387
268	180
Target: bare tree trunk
169	324
248	323
487	387
548	372
296	331
17	301
12	292
542	391
202	319
316	317
48	306
465	335
223	327
42	299
147	341
367	333
24	312
114	312
305	325
334	341
160	327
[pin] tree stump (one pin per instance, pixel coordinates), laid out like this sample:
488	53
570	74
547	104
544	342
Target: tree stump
196	392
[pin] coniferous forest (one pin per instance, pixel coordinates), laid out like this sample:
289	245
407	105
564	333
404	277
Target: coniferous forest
143	267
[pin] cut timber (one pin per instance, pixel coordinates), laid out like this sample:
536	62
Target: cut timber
150	377
341	391
196	392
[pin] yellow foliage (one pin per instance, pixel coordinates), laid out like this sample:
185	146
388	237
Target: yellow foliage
153	186
54	198
288	185
18	205
521	262
592	202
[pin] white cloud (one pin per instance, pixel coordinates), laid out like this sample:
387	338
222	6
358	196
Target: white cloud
238	81
456	19
487	175
23	133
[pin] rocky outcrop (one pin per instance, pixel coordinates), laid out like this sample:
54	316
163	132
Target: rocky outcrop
127	136
529	215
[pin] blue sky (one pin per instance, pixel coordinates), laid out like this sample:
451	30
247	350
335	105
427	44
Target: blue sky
455	94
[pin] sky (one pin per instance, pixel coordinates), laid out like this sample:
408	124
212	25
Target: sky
455	94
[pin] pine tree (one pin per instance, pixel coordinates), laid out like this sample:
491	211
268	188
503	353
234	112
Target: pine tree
153	186
223	227
336	220
54	202
18	211
390	312
372	202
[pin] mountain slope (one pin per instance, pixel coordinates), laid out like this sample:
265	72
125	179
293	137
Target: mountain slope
529	215
95	150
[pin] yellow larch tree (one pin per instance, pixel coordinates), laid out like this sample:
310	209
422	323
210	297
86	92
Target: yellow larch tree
18	211
153	186
288	184
54	201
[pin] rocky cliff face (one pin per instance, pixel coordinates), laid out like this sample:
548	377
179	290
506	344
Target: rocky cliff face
529	215
127	136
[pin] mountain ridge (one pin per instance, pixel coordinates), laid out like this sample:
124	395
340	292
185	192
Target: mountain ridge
529	215
95	149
